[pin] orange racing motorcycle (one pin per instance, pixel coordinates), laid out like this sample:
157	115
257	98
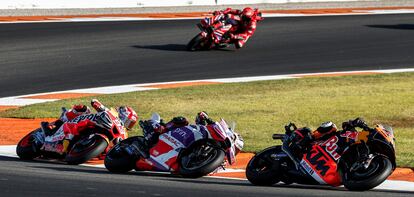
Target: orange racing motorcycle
358	160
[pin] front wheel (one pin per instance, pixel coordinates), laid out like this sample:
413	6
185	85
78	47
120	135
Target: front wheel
201	159
118	160
27	148
262	169
86	149
364	179
197	43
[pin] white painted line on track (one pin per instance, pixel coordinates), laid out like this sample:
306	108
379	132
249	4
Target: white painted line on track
16	101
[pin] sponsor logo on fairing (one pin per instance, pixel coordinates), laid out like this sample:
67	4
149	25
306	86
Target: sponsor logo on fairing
58	136
91	117
307	168
180	132
331	147
318	160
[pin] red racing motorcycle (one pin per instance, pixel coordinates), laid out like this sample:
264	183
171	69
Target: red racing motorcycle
191	151
89	144
215	31
361	165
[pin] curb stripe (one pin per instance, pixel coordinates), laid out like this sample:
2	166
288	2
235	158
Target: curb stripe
195	15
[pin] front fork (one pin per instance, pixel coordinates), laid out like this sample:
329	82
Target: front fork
365	158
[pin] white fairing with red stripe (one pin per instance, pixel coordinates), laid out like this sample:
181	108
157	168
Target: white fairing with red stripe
163	156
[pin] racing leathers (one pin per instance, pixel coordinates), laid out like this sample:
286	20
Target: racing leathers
303	138
152	130
72	123
242	28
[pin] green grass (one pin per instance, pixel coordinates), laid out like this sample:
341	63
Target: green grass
263	108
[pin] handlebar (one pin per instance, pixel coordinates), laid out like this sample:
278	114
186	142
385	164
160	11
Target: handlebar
277	136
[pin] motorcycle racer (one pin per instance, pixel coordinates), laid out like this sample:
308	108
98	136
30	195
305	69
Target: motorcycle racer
303	138
244	21
79	119
153	130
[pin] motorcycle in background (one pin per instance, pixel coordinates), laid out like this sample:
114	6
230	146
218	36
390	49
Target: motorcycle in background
359	166
191	151
215	32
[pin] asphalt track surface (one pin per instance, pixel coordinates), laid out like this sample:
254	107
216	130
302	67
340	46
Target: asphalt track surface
48	57
23	178
60	56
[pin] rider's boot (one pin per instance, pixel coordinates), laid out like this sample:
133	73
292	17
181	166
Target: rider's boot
47	128
222	45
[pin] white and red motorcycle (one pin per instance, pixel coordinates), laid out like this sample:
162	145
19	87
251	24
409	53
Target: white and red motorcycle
190	151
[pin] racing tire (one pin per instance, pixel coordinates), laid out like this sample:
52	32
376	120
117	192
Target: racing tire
262	170
195	43
26	148
86	149
117	160
378	171
200	159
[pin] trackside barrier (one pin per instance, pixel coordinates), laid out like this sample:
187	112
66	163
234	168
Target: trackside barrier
51	4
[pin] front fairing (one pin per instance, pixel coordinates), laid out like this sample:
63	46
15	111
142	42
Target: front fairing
231	149
164	155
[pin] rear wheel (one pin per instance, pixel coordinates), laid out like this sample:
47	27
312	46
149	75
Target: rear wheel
197	43
201	159
262	169
118	160
86	149
364	179
27	147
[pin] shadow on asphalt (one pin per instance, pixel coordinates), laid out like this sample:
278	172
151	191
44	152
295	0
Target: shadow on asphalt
172	47
67	169
163	47
398	26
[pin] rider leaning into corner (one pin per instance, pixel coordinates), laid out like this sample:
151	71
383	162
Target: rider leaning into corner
245	22
73	127
152	131
303	138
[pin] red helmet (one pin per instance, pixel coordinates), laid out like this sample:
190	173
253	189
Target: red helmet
128	116
247	14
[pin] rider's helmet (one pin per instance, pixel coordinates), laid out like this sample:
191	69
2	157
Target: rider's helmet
247	14
128	116
324	129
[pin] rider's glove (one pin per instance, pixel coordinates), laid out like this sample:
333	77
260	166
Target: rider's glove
302	137
359	122
202	118
98	106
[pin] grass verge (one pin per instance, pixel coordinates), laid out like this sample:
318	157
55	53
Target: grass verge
263	108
